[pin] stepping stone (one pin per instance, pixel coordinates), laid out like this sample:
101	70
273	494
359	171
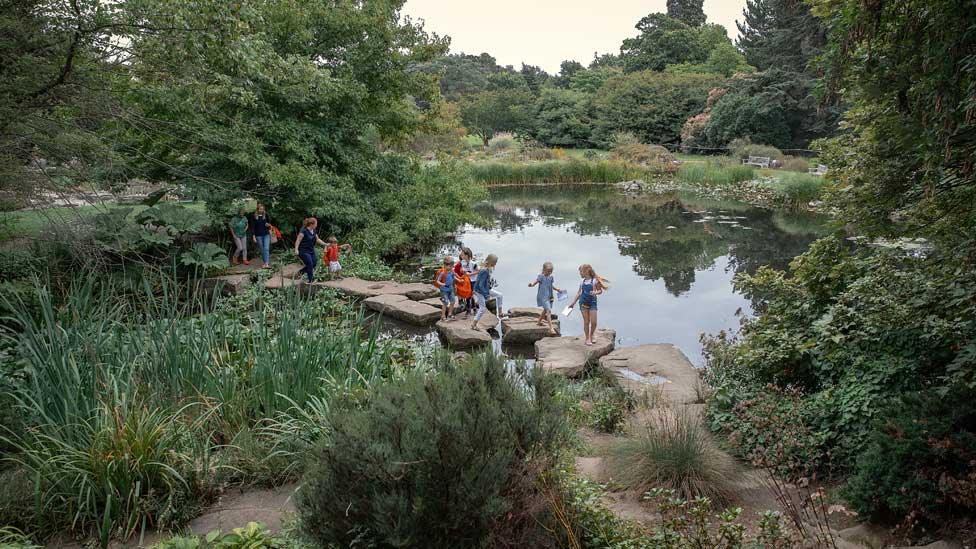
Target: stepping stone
662	365
235	510
403	308
357	287
458	335
228	284
569	356
528	311
291	270
524	330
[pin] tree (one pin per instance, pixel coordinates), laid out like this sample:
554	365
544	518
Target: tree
592	79
664	41
561	118
487	113
651	105
689	12
781	34
568	69
534	77
274	101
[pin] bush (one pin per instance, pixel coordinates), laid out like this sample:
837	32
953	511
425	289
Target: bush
918	461
796	164
501	144
671	449
450	459
743	147
798	189
642	154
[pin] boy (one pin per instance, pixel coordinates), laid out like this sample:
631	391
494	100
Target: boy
332	257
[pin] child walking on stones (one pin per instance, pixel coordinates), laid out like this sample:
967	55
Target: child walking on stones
463	271
305	247
332	257
444	281
543	295
592	286
483	290
238	230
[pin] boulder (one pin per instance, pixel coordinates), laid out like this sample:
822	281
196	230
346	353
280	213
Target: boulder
523	330
866	535
569	356
357	287
663	365
528	311
458	335
228	284
278	282
403	308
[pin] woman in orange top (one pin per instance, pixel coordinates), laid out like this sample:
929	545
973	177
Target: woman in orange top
332	257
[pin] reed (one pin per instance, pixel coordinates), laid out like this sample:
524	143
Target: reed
554	172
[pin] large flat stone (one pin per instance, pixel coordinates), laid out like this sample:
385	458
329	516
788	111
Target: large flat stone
228	284
663	365
360	288
569	356
523	330
458	335
528	311
403	308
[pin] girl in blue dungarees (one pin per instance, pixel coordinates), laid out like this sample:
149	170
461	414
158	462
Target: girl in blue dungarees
305	247
592	286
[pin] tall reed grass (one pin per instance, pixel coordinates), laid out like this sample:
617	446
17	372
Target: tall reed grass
128	402
715	173
569	171
797	189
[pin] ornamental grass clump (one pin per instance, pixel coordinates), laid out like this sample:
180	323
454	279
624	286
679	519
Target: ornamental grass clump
672	449
451	458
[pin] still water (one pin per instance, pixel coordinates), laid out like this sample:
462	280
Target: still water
670	257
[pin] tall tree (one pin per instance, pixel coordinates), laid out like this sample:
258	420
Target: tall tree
567	69
488	113
782	34
689	12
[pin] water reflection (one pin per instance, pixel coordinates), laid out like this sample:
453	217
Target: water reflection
671	257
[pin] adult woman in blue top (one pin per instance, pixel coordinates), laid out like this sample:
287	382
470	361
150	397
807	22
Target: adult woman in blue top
305	246
261	231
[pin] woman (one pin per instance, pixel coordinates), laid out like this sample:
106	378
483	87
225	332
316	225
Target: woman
305	246
261	229
238	231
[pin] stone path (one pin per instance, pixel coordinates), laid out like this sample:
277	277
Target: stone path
662	366
569	356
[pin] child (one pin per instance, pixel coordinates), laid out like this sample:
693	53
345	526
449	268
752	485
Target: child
305	246
445	283
543	296
462	275
238	231
591	286
332	257
483	291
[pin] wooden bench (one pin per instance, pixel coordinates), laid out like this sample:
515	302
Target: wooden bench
760	161
819	170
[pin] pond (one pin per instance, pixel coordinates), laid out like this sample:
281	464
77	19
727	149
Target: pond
670	257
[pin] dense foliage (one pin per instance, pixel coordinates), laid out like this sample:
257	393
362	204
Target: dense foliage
442	460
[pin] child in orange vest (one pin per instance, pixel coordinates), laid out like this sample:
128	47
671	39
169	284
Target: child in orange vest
444	281
332	257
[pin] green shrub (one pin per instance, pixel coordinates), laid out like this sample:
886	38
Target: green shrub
639	153
797	189
715	172
254	535
600	402
672	449
743	147
20	263
918	461
443	460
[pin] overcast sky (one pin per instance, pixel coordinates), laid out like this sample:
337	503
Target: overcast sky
545	32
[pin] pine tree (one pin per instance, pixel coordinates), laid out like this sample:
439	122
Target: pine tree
689	12
781	34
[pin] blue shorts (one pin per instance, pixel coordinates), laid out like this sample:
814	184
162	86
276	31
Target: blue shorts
588	304
447	297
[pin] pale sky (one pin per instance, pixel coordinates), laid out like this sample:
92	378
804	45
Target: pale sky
546	32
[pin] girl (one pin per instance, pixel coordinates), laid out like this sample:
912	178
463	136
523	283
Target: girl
464	268
483	291
591	286
238	231
260	229
543	296
332	257
444	281
305	247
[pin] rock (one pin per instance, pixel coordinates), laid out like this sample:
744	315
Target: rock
278	282
568	355
360	288
433	302
533	312
270	507
941	544
634	186
458	335
291	270
523	330
402	308
228	284
663	365
865	535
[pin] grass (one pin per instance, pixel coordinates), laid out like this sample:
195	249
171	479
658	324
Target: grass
799	188
671	449
715	173
550	172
